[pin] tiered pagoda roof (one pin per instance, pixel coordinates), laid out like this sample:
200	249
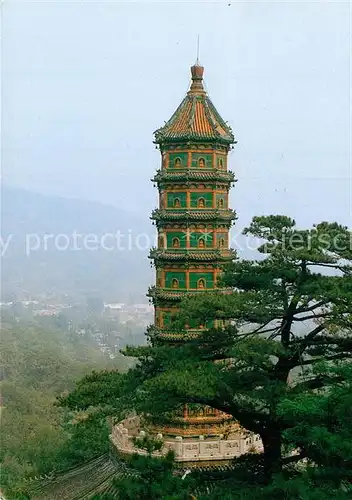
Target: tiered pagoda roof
189	255
193	215
196	118
155	333
194	175
156	293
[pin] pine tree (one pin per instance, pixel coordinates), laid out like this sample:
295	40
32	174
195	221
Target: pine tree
282	316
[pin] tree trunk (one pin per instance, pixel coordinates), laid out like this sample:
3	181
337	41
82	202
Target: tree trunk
272	452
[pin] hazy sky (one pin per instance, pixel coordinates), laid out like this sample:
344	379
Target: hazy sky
85	84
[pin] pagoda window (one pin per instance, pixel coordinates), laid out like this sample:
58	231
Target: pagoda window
176	243
175	283
221	203
177	203
221	163
161	241
162	199
201	243
201	284
221	242
201	162
177	162
201	203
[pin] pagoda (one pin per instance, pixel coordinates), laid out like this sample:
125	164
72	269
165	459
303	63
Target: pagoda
193	221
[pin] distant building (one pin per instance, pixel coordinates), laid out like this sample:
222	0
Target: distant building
143	307
116	305
27	303
45	312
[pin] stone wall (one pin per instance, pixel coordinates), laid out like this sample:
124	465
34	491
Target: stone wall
186	450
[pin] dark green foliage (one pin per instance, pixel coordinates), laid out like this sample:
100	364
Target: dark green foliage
302	487
286	314
88	438
154	480
320	422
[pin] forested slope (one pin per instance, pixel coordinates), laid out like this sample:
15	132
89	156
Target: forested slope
38	364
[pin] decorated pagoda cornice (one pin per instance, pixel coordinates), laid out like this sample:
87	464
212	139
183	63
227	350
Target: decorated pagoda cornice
189	255
193	145
163	335
163	176
162	216
156	292
159	294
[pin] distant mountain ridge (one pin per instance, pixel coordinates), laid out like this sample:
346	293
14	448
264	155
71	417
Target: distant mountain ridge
70	246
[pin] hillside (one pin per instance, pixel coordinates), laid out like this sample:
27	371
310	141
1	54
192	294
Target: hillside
38	364
72	247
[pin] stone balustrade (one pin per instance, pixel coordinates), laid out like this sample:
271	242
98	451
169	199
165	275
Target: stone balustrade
186	450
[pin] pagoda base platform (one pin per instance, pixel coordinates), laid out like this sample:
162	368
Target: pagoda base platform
203	450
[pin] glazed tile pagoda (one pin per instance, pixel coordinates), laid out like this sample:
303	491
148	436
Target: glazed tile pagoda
193	219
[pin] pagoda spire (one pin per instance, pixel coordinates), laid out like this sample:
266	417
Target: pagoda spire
197	79
197	71
197	60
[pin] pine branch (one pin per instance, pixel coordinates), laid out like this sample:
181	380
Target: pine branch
313	333
338	341
313	307
335	357
313	316
332	266
317	383
294	458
